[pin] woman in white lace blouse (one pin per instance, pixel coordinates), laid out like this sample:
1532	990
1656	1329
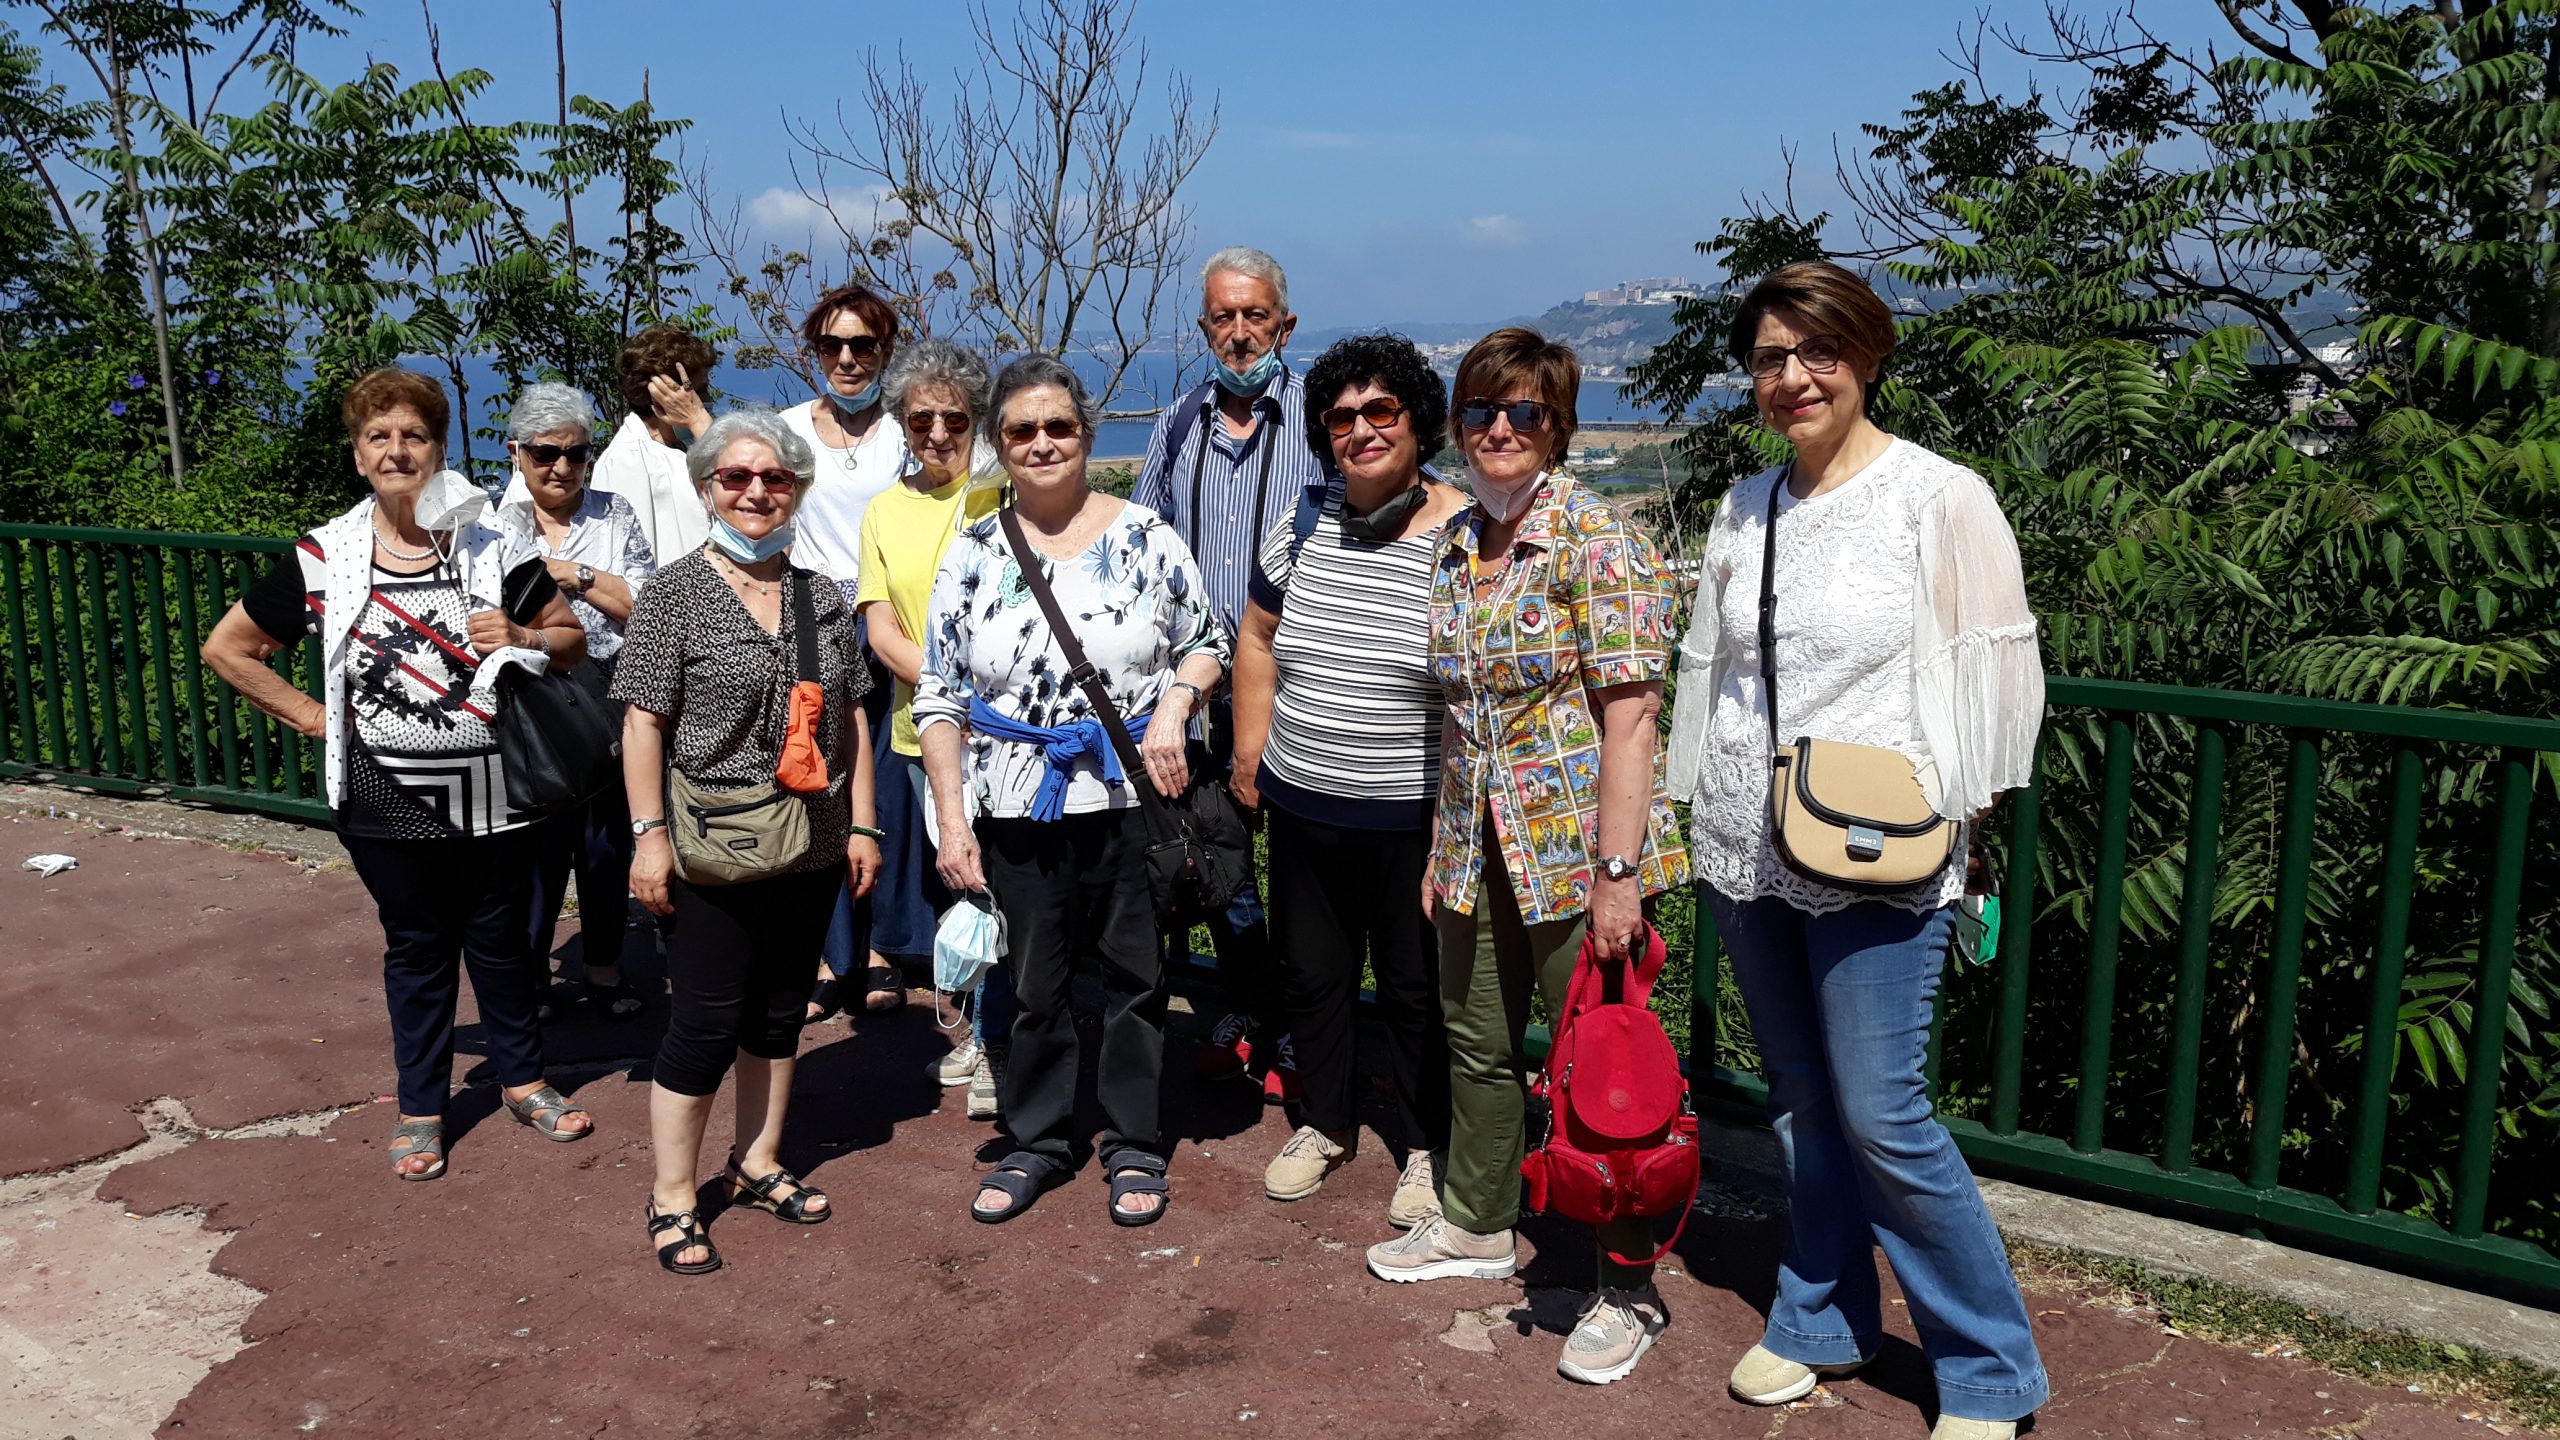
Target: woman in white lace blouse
1901	621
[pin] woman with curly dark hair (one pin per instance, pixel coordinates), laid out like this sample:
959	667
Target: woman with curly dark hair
1338	742
664	375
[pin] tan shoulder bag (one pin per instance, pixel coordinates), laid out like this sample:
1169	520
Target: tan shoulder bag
1851	816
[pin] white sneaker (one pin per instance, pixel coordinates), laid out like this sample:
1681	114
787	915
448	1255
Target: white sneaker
983	1081
1438	1250
1951	1428
1617	1327
1761	1377
956	1067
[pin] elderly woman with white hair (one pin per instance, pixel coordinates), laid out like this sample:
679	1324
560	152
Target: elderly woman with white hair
713	667
594	546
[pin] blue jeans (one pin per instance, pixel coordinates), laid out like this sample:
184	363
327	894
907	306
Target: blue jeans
1840	1006
992	1013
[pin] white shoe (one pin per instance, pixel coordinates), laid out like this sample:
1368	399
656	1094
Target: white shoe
1951	1428
1763	1378
983	1085
1438	1250
1616	1328
956	1067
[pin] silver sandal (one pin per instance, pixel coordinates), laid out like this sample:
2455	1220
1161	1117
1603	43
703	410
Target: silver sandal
544	1109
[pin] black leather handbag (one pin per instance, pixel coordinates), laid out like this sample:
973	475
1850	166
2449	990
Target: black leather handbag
1199	853
559	733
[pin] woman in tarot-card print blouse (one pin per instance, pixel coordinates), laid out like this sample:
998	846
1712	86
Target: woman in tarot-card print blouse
1137	605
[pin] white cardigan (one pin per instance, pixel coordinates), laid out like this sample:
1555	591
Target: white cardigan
1902	621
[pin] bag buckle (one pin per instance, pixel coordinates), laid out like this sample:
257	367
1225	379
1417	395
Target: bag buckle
1865	843
1081	675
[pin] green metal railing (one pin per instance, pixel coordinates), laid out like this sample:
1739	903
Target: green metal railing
104	687
105	684
2072	1150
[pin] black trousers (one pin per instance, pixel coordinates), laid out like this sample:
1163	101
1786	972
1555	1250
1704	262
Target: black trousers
738	963
594	840
1241	933
1337	896
1073	890
465	900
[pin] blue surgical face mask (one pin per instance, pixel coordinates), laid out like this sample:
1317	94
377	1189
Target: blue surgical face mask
856	404
1251	379
729	542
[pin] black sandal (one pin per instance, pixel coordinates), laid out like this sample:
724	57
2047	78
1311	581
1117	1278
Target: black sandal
1135	1172
689	1232
829	998
1022	1176
879	980
756	1193
617	1002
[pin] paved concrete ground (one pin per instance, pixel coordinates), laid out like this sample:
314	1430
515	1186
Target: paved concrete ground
517	1297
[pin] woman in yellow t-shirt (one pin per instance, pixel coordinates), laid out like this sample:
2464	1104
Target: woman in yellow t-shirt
936	391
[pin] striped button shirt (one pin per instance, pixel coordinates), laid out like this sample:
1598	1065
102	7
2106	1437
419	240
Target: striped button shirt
1221	494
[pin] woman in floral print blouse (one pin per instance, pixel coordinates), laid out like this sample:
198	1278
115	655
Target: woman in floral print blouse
1551	632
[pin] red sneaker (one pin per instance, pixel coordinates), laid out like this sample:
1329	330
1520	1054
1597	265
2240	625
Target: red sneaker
1280	1084
1229	1049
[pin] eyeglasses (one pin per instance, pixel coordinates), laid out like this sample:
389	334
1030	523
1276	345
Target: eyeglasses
1021	431
859	347
554	454
1527	417
1819	355
739	477
921	422
1382	412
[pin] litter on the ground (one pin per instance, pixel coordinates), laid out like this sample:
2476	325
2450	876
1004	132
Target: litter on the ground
49	866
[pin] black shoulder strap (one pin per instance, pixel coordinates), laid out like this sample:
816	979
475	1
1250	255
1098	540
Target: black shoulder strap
1080	671
804	623
1769	609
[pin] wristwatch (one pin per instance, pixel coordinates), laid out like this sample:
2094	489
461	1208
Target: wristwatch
586	578
1616	867
1199	696
643	827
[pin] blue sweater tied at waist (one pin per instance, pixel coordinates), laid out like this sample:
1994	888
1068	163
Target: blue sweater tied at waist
1064	745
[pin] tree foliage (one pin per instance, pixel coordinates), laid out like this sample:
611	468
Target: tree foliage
2259	351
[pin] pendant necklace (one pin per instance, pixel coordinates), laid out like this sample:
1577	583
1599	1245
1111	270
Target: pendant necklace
745	581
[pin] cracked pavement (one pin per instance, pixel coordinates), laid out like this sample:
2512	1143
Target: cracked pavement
177	1259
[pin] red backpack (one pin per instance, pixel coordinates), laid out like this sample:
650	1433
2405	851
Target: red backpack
1621	1137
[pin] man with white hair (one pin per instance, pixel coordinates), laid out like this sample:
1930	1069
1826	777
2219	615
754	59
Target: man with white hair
1224	463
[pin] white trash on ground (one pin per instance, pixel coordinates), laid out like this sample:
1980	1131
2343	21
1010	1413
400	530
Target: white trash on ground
49	866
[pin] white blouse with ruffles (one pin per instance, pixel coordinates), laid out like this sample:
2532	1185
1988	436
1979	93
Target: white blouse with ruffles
1902	621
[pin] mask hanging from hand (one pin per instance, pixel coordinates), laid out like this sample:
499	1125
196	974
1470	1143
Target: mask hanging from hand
1252	378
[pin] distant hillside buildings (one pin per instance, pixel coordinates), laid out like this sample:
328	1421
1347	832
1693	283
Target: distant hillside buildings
1653	290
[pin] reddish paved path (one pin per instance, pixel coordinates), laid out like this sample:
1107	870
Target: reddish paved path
516	1297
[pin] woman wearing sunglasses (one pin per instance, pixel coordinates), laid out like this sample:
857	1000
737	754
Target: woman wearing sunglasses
591	542
1060	841
708	670
1338	746
1901	622
1551	632
849	336
935	391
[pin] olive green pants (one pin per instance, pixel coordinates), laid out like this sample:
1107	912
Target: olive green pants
1488	962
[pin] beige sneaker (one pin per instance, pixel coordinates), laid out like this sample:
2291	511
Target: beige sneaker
1951	1428
1438	1250
1761	1378
1617	1327
1417	1191
983	1080
1299	1169
958	1066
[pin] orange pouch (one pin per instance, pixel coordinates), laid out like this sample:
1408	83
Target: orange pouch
803	767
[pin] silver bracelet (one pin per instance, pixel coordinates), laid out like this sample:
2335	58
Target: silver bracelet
1199	697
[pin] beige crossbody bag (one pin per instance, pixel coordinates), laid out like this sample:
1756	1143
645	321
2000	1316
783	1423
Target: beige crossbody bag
1851	816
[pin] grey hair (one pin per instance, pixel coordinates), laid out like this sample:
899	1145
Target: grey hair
547	408
1245	260
751	423
935	362
1029	372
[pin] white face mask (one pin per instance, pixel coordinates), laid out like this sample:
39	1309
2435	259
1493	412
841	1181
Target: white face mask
1505	502
449	502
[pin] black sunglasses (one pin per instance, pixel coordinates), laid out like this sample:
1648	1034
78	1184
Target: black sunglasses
860	347
1380	413
1527	417
554	454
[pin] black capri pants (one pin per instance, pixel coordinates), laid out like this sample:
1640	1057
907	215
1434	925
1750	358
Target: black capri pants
739	959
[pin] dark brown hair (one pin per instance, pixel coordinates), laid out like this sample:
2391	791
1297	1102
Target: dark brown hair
1516	363
661	350
388	389
870	309
1831	301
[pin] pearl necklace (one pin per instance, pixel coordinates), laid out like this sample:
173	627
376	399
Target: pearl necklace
396	553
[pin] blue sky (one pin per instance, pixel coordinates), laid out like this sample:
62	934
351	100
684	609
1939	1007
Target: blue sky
1405	161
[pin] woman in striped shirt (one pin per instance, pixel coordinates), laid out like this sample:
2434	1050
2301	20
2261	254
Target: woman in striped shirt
1338	743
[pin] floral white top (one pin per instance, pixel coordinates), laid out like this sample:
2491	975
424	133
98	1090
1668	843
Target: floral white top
1902	621
1139	609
